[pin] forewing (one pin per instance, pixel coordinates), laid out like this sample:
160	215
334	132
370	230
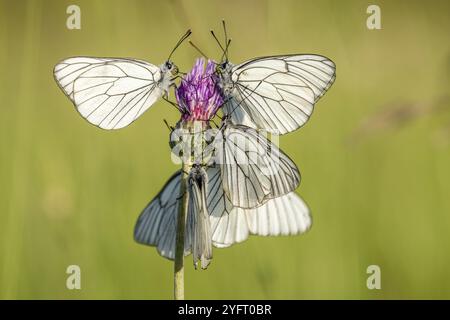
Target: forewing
253	169
278	93
156	226
109	92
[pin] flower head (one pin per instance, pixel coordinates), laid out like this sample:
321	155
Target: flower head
198	95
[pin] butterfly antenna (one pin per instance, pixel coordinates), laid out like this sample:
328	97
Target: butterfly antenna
217	40
227	42
225	53
224	30
196	48
184	37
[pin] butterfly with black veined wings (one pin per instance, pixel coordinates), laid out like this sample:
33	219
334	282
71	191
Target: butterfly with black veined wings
253	169
156	226
274	93
111	93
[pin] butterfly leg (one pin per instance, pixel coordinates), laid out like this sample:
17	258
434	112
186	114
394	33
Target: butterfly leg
166	98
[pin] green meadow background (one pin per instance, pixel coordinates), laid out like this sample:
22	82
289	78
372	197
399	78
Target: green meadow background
375	156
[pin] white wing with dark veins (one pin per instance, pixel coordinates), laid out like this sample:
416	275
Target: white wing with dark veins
278	93
157	224
198	216
109	92
284	215
253	169
227	227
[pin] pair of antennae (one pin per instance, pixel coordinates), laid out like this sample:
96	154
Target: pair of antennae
223	47
227	41
182	39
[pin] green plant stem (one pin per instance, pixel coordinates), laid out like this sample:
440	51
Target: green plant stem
179	244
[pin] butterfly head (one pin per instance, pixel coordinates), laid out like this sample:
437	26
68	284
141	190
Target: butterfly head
223	71
223	68
170	67
220	67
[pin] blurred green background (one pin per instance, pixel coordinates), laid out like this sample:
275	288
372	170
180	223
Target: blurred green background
374	157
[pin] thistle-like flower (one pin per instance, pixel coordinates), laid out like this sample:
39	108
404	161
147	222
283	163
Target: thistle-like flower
198	94
199	98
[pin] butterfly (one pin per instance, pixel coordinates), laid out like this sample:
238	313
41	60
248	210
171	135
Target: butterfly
274	93
253	169
111	93
212	219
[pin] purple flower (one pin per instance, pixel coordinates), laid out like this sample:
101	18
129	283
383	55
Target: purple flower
198	95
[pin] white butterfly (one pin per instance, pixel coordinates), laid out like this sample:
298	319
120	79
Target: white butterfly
156	226
274	93
158	222
253	169
113	92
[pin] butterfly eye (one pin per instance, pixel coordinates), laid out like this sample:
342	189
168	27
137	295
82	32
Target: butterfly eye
221	67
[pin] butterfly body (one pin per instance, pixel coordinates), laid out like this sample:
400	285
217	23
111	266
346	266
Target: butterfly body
224	70
169	71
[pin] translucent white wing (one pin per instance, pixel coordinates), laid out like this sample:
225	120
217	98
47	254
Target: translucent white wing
198	217
156	226
286	215
227	227
109	92
253	169
157	223
278	93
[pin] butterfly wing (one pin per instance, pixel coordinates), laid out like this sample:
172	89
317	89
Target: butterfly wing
285	215
253	169
156	226
109	92
227	227
199	217
278	93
